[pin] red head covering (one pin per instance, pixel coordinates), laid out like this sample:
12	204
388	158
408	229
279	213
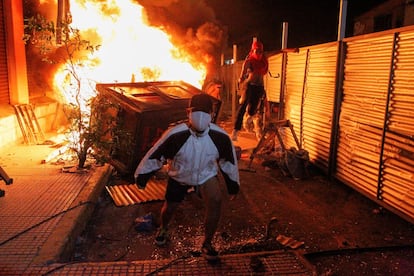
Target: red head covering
257	45
258	61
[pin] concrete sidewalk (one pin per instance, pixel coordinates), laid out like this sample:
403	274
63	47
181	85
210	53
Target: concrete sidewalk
45	209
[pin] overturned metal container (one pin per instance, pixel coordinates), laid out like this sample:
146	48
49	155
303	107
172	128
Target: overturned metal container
145	111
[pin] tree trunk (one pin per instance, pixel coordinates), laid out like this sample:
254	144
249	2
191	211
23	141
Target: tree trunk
82	159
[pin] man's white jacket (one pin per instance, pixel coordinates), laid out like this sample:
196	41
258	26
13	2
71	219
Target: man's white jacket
192	158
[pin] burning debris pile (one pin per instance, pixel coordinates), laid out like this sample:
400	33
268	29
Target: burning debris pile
152	42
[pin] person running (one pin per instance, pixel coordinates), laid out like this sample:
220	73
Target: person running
254	68
194	153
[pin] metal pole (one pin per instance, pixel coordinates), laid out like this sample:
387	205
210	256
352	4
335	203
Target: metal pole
342	19
234	53
281	111
234	90
285	26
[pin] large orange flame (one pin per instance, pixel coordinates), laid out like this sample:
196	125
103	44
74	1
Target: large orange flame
130	49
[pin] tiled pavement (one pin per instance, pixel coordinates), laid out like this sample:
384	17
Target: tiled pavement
44	210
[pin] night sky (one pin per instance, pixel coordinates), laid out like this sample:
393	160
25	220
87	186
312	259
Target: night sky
310	22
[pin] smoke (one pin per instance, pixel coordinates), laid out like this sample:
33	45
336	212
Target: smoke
192	26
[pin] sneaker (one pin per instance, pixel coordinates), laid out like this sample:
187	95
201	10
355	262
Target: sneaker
234	135
248	123
161	237
258	135
209	253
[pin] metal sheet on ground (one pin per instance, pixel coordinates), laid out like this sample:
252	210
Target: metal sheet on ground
129	194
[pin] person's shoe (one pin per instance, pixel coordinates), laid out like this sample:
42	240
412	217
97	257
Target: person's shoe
258	135
162	237
209	253
248	123
234	135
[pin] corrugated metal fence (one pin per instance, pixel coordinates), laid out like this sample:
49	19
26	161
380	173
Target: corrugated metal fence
352	107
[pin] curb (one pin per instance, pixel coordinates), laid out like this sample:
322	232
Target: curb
62	240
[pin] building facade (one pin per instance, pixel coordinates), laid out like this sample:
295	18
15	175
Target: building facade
388	15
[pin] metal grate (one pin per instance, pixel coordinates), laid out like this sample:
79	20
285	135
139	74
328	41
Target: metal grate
264	263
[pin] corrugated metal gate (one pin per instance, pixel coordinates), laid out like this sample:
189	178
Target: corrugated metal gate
294	85
351	105
273	80
310	92
4	80
376	146
396	179
318	102
365	86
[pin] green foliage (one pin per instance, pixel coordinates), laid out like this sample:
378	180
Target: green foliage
40	32
105	128
47	38
89	135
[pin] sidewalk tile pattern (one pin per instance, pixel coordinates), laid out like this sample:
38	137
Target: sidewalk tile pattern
34	205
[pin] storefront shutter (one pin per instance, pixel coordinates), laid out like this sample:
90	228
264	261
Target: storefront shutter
4	83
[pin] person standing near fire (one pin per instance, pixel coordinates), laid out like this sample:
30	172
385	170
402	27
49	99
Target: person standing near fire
251	83
194	152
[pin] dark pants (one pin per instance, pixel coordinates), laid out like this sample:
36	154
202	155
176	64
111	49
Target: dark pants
254	94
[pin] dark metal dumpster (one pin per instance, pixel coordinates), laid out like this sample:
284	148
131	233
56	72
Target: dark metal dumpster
145	111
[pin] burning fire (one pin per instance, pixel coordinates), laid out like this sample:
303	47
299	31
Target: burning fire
130	50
